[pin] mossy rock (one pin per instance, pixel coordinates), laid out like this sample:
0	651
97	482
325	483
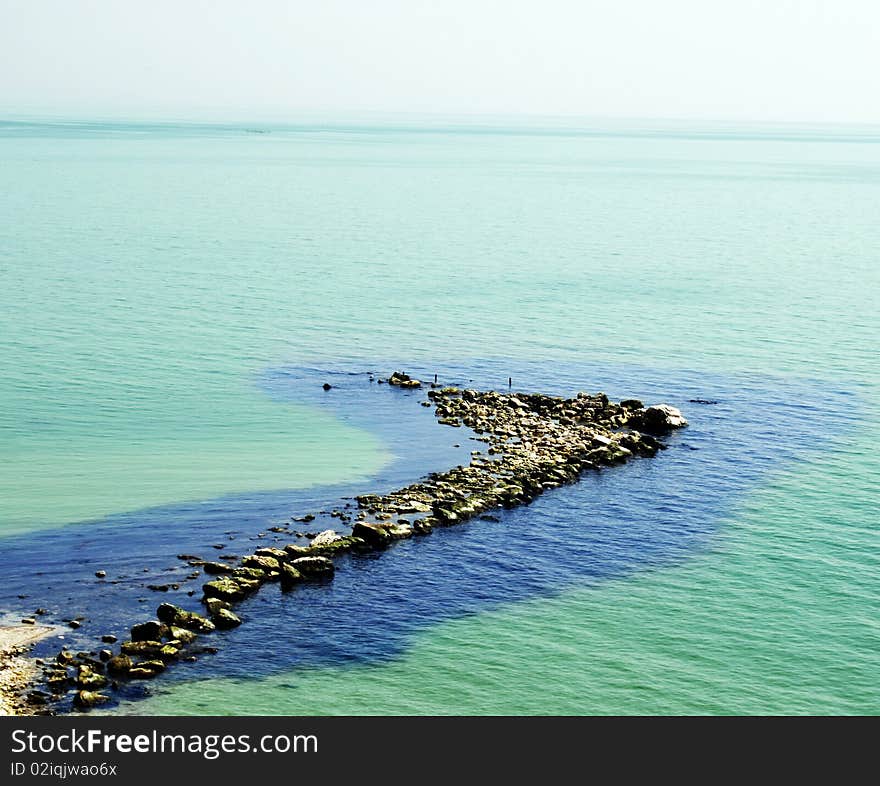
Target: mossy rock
290	576
224	619
224	589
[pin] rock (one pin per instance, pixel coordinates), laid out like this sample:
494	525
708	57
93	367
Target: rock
108	638
290	576
215	604
376	535
169	651
192	621
141	647
325	538
295	551
101	573
148	631
397	378
146	670
84	699
327	386
87	678
269	551
400	530
74	624
659	419
225	619
119	665
424	526
261	563
337	546
225	589
58	683
249	585
182	635
29	621
168	613
216	568
250	574
105	655
314	567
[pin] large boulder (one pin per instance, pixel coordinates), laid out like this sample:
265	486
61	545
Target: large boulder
659	419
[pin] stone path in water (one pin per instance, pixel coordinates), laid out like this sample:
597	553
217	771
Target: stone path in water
534	443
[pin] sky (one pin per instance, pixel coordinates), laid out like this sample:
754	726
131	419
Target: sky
752	60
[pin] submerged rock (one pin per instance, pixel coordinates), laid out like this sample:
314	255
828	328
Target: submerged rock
216	568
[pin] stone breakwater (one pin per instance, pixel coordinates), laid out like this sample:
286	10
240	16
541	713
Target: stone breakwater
532	444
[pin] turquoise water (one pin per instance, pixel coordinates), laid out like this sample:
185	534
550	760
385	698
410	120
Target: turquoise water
152	276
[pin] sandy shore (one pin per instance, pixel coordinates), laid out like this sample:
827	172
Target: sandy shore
16	669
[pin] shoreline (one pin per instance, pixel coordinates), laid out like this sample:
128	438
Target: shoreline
18	672
531	443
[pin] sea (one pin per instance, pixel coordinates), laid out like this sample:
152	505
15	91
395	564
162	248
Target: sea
174	295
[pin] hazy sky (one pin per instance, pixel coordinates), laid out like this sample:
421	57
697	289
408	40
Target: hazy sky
810	60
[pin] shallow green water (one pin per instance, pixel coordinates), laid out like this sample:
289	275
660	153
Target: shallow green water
147	276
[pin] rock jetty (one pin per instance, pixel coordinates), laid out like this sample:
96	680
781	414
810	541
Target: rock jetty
533	443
